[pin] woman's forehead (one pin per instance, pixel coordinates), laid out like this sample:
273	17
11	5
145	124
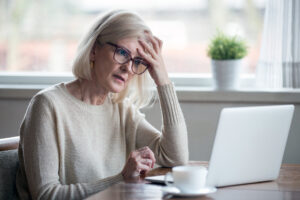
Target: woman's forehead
130	44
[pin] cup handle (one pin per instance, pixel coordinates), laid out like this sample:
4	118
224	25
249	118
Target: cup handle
169	174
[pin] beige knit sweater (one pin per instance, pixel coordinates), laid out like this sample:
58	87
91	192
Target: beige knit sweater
70	149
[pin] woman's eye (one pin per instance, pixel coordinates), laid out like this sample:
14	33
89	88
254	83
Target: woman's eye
137	62
122	52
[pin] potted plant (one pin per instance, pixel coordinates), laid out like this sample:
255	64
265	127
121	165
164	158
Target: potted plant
226	53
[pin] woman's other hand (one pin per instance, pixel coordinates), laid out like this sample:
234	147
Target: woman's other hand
139	162
153	55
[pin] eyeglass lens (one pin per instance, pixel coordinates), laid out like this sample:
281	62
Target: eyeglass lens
139	66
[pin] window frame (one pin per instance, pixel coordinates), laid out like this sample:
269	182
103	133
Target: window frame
191	89
180	80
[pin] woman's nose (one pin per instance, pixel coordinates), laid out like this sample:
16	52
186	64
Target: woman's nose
126	67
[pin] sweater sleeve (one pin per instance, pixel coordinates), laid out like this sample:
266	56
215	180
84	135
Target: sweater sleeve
170	145
40	157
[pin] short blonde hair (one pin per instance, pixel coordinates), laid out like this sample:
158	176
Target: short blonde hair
112	27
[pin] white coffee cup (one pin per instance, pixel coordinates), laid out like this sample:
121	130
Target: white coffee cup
188	179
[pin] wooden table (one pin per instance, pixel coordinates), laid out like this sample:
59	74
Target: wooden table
287	186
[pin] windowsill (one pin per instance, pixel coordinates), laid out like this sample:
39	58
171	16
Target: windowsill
206	94
185	94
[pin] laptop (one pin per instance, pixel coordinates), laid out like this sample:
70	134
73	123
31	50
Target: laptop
249	145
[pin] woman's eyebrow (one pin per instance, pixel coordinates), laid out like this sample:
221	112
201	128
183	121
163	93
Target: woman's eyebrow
125	48
138	55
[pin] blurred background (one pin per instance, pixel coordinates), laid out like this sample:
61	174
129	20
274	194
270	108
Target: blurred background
41	36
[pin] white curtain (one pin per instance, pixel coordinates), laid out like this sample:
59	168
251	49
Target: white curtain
279	62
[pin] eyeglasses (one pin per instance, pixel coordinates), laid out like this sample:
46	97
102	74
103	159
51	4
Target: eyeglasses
122	56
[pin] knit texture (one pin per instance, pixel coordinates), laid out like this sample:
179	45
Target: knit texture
70	149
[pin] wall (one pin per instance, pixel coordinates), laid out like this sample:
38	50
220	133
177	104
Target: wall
201	117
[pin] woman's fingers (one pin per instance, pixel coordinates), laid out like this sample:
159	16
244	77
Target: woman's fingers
148	48
143	167
155	43
147	153
139	162
147	162
146	56
160	42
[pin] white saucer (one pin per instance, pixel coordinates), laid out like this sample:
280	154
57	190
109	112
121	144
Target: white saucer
176	192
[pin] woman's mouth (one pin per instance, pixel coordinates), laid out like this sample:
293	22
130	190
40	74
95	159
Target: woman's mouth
119	78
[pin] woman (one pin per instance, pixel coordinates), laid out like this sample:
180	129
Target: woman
80	137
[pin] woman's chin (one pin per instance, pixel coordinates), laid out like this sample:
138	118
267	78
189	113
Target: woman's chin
117	88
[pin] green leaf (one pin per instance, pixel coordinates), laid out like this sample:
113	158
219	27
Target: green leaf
224	47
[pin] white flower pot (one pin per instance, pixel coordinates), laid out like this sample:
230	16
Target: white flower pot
226	74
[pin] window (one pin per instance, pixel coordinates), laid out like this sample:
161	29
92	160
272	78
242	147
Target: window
42	36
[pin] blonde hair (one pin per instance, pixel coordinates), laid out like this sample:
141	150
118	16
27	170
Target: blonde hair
112	27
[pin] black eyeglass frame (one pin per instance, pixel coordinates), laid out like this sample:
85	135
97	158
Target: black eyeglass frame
130	58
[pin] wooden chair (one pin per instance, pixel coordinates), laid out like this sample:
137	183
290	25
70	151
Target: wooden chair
9	163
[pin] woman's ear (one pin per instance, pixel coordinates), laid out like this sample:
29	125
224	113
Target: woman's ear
93	53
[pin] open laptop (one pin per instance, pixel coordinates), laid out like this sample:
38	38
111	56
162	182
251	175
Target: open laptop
249	145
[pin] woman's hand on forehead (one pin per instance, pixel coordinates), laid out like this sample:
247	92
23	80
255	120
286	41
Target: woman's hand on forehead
152	53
